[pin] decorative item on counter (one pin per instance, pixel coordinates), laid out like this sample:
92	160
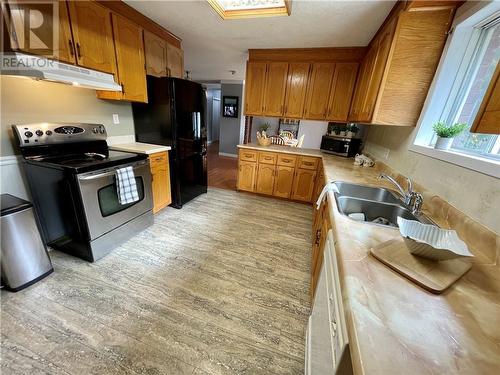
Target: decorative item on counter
277	140
446	134
290	125
431	242
264	127
352	130
262	138
363	160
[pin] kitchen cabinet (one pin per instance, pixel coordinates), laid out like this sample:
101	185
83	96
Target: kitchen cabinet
155	53
92	35
320	183
160	180
488	117
303	185
298	74
175	61
265	179
255	84
400	64
284	180
247	173
342	89
130	60
318	91
274	94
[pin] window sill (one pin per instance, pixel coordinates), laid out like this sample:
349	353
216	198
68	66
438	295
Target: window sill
475	163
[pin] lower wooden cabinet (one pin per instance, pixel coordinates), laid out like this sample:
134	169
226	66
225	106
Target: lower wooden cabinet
247	173
283	181
160	179
265	179
303	185
279	174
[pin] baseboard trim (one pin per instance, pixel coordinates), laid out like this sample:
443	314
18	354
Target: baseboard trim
10	159
228	155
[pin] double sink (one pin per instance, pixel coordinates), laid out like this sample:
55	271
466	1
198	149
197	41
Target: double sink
379	204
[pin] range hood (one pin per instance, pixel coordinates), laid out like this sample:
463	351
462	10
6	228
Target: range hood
40	68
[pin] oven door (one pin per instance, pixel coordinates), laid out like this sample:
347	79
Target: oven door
103	211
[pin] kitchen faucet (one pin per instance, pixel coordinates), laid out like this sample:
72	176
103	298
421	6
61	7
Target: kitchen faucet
410	198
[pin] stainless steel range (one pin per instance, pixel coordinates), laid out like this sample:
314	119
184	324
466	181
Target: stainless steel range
71	174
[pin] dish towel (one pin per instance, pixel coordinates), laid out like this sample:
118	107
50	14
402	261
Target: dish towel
126	185
330	186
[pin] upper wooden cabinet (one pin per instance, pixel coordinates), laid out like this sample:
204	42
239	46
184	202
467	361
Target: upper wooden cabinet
93	35
298	74
130	59
341	91
155	53
175	61
488	117
318	91
255	84
400	64
274	94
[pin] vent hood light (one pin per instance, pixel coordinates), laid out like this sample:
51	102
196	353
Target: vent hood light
233	9
40	68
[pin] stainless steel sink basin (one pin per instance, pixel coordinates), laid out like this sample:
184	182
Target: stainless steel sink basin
347	189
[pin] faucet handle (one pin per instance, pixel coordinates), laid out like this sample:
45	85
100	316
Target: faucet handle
410	185
417	202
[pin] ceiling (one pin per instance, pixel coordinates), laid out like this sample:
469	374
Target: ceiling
213	47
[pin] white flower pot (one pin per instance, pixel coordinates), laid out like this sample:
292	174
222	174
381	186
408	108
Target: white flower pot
443	143
351	134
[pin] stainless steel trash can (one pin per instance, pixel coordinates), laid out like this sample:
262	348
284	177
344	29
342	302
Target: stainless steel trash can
24	258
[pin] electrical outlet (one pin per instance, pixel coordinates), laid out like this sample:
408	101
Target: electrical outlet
116	119
386	154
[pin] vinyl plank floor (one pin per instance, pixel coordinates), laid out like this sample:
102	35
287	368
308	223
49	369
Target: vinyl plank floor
219	287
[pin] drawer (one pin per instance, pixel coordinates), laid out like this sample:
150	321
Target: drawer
287	160
160	158
308	162
268	158
248	155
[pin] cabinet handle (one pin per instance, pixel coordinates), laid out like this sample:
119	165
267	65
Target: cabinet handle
248	155
78	52
71	48
318	236
267	158
286	160
123	88
308	163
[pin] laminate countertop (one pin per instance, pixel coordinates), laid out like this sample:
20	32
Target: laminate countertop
395	326
140	148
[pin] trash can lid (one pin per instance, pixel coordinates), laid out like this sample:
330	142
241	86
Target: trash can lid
11	204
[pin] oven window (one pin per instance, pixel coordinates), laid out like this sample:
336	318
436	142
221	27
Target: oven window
108	198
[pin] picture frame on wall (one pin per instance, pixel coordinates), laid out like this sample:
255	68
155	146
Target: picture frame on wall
230	106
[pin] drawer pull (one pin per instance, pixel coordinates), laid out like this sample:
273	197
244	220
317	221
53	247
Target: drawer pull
268	158
158	159
286	160
308	163
248	155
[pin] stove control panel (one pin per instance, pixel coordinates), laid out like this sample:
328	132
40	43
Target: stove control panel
51	133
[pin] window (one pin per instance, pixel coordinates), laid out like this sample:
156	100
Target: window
468	65
233	9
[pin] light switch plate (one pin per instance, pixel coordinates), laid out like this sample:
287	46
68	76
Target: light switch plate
116	119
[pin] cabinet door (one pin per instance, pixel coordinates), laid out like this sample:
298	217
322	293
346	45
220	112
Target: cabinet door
274	95
364	77
298	73
341	91
318	91
175	61
160	174
254	88
488	118
246	176
265	179
155	52
303	185
284	181
93	35
65	51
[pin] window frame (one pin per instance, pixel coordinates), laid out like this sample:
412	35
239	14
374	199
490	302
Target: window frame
444	89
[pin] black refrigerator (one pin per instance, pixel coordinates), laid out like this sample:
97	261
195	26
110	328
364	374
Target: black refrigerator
175	116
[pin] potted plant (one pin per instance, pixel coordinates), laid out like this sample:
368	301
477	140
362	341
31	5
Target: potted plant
352	130
446	133
263	128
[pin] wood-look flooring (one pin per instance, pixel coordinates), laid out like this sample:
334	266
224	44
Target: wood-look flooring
218	287
222	170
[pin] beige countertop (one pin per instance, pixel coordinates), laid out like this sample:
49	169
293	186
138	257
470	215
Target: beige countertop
283	149
396	327
140	148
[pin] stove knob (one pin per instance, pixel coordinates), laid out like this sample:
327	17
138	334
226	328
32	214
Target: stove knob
28	134
95	130
39	133
48	132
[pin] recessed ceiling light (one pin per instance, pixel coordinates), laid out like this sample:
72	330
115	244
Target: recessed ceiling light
232	9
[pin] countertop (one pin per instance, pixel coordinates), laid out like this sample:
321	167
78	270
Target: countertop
140	148
395	326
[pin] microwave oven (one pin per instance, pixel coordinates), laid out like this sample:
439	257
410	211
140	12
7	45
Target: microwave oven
342	146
